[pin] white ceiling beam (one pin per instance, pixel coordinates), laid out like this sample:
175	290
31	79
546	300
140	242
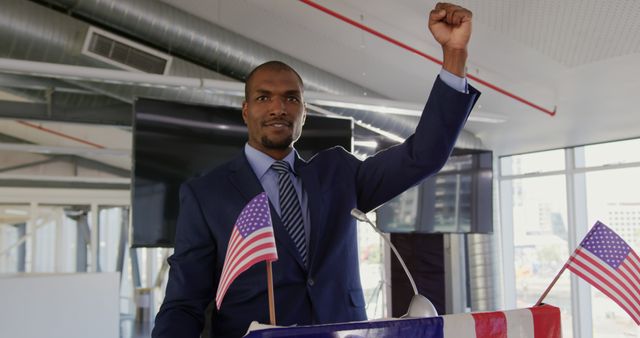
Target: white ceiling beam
69	72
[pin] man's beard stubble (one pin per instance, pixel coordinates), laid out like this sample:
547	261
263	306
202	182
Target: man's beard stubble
282	145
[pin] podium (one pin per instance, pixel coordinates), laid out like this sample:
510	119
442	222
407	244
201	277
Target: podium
536	322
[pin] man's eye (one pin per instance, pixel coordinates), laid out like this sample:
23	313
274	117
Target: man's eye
261	98
293	99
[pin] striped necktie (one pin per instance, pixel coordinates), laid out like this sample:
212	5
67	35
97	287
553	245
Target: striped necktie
290	211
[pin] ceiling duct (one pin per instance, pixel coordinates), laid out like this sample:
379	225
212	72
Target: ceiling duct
199	40
29	31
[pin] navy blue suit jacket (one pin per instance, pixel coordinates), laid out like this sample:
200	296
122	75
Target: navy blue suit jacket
329	290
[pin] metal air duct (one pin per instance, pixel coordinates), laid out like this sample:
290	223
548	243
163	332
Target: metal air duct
33	32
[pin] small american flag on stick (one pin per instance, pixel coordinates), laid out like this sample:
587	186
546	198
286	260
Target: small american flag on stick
608	263
252	241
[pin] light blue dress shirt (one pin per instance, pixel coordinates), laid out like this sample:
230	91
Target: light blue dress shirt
454	81
261	164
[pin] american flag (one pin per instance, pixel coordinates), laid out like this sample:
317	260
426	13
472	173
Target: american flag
252	241
608	263
536	322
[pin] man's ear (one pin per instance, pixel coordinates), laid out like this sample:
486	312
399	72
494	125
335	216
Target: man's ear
245	111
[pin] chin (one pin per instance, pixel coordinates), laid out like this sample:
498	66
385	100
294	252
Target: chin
277	144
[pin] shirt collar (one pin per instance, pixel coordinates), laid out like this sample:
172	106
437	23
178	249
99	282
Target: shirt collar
261	162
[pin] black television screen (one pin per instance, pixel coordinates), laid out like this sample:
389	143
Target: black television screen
176	141
458	199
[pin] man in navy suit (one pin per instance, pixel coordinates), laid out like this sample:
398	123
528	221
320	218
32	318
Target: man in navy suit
316	278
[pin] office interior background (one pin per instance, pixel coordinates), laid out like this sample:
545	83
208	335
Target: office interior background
558	112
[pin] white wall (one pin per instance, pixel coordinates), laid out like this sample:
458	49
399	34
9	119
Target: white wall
60	306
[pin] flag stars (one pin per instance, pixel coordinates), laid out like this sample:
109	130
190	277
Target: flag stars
254	216
606	245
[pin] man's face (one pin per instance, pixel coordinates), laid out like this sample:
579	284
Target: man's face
274	111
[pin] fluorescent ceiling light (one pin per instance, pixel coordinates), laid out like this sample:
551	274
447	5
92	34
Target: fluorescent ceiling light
369	107
367	144
401	108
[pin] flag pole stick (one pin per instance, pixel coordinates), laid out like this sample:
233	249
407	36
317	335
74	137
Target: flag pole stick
272	307
551	285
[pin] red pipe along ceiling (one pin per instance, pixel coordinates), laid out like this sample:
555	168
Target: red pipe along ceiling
63	135
424	55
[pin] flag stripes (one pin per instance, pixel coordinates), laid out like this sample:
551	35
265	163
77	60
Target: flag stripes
252	250
631	269
631	292
490	324
521	324
609	280
546	321
238	245
631	278
536	322
459	325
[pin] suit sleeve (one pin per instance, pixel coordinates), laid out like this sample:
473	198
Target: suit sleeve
390	172
191	285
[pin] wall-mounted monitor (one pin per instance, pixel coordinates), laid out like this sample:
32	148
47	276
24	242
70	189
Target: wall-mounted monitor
458	199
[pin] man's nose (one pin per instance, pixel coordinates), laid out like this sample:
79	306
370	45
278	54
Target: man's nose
278	106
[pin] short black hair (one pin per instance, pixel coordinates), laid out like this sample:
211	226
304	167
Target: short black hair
271	65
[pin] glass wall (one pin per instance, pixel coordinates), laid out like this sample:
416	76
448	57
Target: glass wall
53	231
538	217
13	228
371	248
612	181
549	201
45	238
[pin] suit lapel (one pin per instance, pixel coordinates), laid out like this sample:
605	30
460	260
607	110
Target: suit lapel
311	185
245	180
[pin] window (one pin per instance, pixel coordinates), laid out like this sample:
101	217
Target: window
610	192
540	242
111	222
611	153
541	162
371	249
13	227
44	239
548	204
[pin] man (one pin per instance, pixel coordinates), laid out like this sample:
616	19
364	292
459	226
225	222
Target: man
316	277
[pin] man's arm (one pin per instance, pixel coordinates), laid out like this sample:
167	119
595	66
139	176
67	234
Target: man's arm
390	172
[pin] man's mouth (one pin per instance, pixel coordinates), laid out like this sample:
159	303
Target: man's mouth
277	124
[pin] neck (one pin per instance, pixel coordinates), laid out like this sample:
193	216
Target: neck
277	154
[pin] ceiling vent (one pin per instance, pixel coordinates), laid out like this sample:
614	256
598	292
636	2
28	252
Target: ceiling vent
124	53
